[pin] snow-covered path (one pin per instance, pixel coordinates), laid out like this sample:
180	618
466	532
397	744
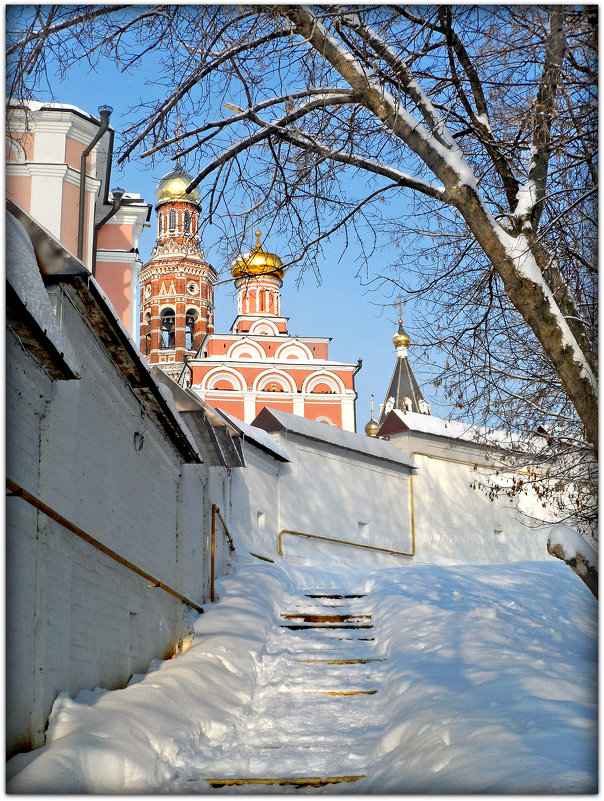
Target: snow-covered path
314	693
471	679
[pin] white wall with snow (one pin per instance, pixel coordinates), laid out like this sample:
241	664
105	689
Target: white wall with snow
76	618
455	522
343	494
254	508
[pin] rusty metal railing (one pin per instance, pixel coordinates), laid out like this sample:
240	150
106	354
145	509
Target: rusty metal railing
16	491
343	542
216	514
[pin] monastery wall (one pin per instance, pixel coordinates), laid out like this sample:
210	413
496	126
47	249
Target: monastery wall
333	492
77	618
346	496
255	501
456	522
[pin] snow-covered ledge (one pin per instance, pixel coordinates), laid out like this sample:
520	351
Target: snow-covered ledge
568	545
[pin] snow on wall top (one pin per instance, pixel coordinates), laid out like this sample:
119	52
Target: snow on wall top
276	420
452	429
23	274
256	435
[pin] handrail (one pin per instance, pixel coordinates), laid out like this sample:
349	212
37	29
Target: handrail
489	466
341	542
16	491
215	514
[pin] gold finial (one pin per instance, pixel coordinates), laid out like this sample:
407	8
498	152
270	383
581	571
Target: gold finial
258	235
401	338
372	427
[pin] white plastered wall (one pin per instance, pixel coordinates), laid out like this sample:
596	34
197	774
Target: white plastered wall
326	491
455	522
76	618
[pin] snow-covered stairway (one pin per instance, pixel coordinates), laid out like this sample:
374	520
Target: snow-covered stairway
314	710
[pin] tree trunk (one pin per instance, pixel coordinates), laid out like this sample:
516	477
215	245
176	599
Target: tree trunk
587	573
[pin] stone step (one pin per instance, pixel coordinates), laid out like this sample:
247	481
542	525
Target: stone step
306	627
335	596
365	661
298	781
313	617
341	692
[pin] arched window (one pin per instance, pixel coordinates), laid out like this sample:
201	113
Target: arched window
190	329
160	219
187	223
167	328
172	220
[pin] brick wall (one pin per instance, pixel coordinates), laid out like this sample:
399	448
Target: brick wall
77	619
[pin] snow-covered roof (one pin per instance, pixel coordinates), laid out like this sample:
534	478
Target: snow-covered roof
256	435
57	265
37	105
398	421
276	420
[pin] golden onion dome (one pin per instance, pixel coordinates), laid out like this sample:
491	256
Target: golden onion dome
372	428
401	337
258	262
173	186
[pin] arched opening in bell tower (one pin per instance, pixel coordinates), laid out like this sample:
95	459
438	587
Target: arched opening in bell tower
190	320
168	332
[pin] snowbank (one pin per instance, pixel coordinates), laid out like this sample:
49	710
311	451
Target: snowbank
489	685
141	738
492	685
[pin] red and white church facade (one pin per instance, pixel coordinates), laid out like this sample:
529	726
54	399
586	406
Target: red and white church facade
259	364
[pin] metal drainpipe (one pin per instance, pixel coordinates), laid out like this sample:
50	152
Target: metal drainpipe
105	112
118	194
354	403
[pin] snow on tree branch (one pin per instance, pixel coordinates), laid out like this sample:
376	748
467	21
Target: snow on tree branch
567	544
544	111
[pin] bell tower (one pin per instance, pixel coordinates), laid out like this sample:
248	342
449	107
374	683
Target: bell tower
177	284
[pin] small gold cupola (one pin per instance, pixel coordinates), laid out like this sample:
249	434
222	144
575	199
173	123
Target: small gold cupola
401	338
257	263
372	427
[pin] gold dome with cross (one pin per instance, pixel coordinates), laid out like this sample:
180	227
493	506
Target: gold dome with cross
258	262
173	186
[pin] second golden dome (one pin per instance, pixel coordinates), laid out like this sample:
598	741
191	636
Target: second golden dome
258	262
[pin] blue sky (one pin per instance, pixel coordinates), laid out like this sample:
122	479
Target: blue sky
361	322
